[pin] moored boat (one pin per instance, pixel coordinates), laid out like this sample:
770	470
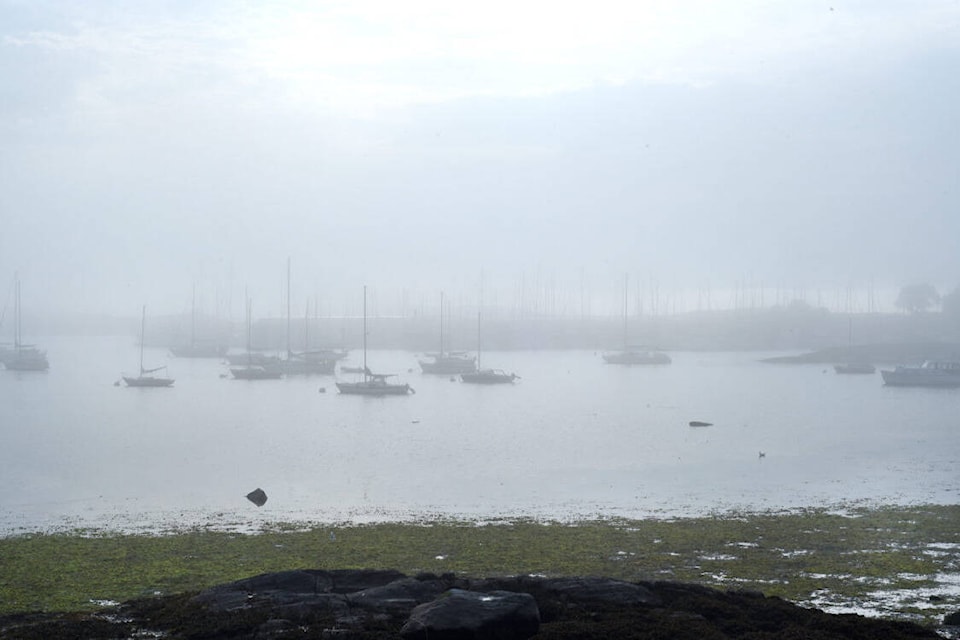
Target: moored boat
372	384
23	357
265	371
932	373
447	362
146	377
636	356
486	376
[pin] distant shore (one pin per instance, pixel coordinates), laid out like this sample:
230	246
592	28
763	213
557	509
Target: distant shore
891	354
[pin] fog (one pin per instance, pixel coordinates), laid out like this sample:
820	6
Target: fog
150	149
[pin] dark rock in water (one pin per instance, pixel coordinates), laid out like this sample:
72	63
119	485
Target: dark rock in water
697	423
498	615
257	497
952	620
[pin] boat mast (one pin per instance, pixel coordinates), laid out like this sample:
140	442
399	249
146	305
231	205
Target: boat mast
626	289
143	326
16	320
365	333
441	324
288	307
249	354
479	339
193	319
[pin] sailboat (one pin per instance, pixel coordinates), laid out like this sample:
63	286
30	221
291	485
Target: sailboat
23	357
447	362
146	379
486	376
373	384
855	366
309	362
194	350
251	371
632	354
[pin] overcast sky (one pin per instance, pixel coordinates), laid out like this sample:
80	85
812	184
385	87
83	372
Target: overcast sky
149	146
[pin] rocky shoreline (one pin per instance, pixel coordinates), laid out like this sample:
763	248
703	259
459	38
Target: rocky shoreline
370	603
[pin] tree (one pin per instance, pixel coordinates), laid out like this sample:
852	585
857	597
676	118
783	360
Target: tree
917	297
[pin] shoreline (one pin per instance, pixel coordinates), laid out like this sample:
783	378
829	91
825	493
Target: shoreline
888	561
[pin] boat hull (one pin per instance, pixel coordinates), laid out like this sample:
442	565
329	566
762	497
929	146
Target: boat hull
368	389
307	367
899	379
147	381
488	377
637	357
256	373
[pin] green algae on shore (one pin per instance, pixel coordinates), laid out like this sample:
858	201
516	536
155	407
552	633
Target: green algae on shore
893	561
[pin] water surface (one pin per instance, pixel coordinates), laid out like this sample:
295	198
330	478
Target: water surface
573	438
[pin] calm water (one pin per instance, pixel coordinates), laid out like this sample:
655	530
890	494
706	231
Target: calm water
574	438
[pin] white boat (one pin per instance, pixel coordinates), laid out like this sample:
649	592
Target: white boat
146	377
447	362
372	384
486	376
932	373
23	357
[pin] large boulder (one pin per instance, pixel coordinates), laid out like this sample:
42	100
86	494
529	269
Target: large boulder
298	588
472	615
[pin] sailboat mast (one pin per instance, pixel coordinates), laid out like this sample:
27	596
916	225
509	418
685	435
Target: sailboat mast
441	324
16	320
143	327
288	307
626	290
479	339
193	318
365	332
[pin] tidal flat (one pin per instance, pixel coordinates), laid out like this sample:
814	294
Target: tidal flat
899	562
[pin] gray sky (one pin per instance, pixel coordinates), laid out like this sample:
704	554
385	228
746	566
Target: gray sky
148	146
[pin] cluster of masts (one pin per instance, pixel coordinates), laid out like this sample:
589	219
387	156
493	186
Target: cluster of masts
257	366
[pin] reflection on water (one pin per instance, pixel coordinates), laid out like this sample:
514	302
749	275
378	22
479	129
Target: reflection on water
573	438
